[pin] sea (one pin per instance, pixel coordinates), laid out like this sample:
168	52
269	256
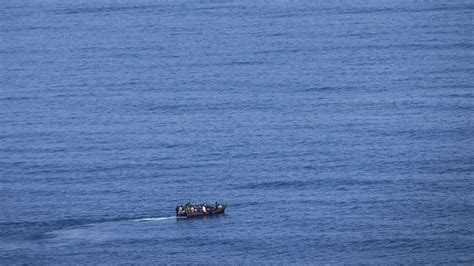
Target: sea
337	132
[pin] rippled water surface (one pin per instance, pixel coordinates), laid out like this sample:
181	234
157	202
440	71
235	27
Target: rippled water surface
337	132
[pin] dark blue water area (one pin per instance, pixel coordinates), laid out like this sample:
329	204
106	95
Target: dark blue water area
336	132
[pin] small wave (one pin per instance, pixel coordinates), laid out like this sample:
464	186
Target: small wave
276	184
157	218
329	88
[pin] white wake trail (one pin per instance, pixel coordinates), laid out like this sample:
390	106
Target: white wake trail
157	218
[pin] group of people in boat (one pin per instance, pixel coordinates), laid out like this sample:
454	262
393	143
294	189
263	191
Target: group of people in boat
198	209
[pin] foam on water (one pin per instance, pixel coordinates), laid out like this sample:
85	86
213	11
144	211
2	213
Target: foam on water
158	218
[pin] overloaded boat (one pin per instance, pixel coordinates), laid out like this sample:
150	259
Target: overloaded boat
189	210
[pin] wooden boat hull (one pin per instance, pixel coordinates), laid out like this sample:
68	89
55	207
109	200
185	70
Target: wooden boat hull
201	214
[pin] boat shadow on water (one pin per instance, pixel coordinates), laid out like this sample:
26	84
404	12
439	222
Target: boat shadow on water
198	218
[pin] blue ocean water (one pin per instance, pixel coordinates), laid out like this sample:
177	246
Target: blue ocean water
337	132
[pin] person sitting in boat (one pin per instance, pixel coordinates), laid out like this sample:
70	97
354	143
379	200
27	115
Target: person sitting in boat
181	211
